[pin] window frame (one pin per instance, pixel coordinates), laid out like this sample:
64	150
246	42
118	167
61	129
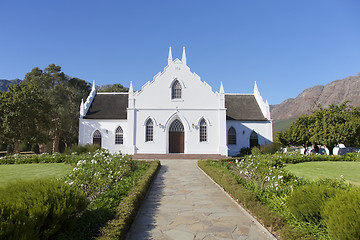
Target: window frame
232	136
149	130
119	136
176	90
203	131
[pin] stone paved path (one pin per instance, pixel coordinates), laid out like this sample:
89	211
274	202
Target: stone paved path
183	203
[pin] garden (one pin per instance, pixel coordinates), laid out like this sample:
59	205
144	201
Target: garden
76	196
295	196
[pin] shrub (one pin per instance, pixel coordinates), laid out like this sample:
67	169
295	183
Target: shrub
256	150
37	209
341	215
244	151
79	149
270	148
307	202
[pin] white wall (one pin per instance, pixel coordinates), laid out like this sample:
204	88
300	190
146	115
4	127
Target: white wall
243	131
107	128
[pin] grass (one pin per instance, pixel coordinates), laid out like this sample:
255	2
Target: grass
334	170
14	172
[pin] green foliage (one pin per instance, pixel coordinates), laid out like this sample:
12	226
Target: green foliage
256	150
307	202
64	95
37	209
270	148
79	149
127	209
23	114
244	151
241	190
268	183
341	215
115	88
326	126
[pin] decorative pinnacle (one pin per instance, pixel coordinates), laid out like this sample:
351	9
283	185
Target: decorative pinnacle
183	56
170	56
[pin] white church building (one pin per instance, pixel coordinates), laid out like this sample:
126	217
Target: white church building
176	112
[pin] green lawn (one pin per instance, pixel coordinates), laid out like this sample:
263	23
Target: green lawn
13	172
317	170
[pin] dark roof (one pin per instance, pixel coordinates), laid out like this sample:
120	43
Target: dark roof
243	108
108	106
114	106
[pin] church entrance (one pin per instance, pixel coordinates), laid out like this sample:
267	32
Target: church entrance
176	137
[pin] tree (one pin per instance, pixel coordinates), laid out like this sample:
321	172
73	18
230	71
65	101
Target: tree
325	126
115	88
335	124
23	115
299	133
64	95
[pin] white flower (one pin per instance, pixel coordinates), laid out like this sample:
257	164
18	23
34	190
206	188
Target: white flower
93	161
342	176
71	183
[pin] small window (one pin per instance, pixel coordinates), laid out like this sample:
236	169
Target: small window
232	136
203	131
119	137
149	135
254	140
176	90
97	138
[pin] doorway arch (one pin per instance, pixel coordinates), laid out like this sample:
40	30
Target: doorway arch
176	137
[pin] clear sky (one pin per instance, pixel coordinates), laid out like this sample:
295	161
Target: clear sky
285	46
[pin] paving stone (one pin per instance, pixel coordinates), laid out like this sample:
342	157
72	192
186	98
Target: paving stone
183	203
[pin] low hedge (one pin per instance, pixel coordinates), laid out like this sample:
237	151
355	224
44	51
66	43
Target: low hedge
270	219
37	209
118	227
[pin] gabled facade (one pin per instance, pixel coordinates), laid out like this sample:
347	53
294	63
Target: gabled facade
176	112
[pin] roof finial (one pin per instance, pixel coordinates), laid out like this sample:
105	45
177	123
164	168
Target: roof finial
131	90
93	86
170	56
183	56
256	88
222	88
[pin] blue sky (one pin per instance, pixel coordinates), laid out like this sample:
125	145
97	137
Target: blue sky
286	46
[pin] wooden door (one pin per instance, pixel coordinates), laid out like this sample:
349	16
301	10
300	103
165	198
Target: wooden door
97	141
176	142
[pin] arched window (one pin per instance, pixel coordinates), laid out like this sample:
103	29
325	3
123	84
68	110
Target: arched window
254	140
203	131
149	132
97	138
119	137
232	136
176	90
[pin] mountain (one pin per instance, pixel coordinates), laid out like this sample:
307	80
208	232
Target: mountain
336	92
4	83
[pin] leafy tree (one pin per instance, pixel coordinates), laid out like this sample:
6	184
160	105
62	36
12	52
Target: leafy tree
335	124
23	115
115	88
299	132
64	94
326	126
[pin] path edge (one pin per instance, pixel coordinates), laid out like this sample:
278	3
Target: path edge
265	230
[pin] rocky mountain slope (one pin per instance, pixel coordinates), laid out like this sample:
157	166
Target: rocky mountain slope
336	92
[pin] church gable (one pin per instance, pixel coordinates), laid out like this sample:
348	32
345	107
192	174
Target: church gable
175	87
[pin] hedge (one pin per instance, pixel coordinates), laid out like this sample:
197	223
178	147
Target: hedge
126	211
248	199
